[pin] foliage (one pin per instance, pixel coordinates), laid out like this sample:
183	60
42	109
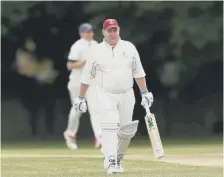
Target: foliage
192	30
196	30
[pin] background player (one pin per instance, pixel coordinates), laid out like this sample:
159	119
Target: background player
76	61
114	63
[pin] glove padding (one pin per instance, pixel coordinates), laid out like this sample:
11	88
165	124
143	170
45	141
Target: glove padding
80	105
147	99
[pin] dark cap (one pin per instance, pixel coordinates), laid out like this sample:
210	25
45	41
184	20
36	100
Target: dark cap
85	27
110	23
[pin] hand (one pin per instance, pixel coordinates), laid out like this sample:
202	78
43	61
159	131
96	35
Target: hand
147	99
80	104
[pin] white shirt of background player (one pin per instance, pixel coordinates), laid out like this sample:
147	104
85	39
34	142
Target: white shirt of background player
77	59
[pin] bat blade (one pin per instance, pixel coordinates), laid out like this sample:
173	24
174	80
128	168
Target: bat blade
154	136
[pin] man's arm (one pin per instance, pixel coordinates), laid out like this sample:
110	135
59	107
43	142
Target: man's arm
138	72
139	75
71	64
141	84
83	89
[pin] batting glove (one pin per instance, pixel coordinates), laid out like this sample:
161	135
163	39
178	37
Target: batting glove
147	99
80	104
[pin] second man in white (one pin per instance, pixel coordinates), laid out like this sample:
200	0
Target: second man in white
76	61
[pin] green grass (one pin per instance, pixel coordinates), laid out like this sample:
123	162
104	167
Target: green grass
53	159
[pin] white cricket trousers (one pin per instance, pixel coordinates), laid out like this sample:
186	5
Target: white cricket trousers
115	110
93	108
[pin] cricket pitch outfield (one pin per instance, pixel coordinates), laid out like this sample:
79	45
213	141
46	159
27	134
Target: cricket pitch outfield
183	158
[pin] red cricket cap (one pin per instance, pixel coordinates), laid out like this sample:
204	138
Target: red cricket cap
110	23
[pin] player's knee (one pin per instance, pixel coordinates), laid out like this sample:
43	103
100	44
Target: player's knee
128	130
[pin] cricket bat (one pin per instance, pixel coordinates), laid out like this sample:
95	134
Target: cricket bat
154	136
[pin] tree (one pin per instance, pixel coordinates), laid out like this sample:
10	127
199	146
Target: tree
196	27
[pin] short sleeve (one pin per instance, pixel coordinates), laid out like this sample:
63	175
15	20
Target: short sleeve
137	68
74	53
90	69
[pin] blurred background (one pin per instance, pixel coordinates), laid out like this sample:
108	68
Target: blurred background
180	45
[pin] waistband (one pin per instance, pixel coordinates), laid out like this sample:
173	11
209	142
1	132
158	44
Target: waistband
114	92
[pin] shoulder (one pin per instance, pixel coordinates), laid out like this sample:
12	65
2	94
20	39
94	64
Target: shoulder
128	45
94	50
95	42
98	46
76	45
101	45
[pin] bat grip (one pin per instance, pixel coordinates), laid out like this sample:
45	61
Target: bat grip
147	110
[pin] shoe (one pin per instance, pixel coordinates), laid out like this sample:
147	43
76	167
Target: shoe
119	167
70	141
98	142
112	169
111	165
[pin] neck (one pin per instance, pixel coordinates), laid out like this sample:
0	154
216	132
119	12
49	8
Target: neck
87	39
112	44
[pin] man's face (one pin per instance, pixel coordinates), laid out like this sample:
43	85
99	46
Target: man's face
88	35
112	34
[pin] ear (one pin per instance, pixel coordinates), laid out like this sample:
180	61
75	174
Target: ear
118	30
103	32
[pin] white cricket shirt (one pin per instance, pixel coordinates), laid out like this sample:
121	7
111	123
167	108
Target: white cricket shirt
113	67
79	51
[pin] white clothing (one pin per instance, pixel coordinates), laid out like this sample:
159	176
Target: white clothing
114	68
93	107
79	51
116	108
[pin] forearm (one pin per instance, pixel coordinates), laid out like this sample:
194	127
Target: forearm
77	64
83	89
141	84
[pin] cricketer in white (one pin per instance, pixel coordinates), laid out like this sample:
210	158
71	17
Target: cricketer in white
76	61
114	63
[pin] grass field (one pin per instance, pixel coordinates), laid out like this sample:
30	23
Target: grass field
50	158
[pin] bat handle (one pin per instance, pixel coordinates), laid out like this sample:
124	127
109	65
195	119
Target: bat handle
147	110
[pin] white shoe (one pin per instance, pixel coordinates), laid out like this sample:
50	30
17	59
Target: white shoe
98	142
112	169
110	165
120	169
70	141
159	154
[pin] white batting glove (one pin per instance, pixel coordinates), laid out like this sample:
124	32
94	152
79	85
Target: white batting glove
147	99
80	104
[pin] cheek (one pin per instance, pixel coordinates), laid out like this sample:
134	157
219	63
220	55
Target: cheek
106	34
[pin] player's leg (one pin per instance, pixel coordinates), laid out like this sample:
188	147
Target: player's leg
73	120
93	107
127	127
109	125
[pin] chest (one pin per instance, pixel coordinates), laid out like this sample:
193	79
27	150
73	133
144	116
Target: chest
115	58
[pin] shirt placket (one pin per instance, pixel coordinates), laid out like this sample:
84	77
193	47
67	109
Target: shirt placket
113	52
